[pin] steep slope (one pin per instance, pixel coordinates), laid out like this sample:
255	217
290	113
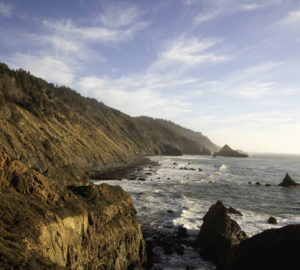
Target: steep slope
197	137
58	132
47	226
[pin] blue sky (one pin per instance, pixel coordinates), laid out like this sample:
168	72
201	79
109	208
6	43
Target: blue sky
227	68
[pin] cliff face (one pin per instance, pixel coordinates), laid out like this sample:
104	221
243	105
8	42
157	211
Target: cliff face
206	145
58	132
46	226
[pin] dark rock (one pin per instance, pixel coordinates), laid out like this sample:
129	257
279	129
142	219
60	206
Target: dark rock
182	232
272	220
288	182
168	178
200	170
170	211
231	210
169	150
257	183
218	233
148	173
267	185
274	249
174	163
226	151
250	183
141	179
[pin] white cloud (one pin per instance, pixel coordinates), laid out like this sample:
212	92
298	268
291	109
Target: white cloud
5	9
189	52
212	9
119	16
134	95
46	67
292	19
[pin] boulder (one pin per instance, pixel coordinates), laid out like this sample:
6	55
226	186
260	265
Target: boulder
288	182
218	233
272	220
274	249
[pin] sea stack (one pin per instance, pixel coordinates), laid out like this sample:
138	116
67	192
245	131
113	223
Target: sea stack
288	182
226	151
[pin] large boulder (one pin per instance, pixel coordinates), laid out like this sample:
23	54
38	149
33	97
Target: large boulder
288	182
218	233
226	151
274	249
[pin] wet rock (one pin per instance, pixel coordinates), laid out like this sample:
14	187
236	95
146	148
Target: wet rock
274	249
272	220
288	182
231	210
182	232
218	233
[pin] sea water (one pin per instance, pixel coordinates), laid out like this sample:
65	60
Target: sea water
180	190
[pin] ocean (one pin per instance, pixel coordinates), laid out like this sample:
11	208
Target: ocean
179	191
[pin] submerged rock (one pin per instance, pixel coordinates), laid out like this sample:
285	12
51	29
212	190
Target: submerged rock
274	249
288	182
218	233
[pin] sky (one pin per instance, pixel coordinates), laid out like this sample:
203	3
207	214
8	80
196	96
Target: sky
227	68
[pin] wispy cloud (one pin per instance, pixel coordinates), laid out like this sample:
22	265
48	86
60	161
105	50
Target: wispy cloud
46	67
6	9
189	52
66	28
212	9
292	19
116	16
135	95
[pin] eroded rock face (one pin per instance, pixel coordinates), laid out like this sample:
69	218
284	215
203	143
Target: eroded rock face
218	233
274	249
45	226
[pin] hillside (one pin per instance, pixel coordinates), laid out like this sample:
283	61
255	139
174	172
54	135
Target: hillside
197	137
58	132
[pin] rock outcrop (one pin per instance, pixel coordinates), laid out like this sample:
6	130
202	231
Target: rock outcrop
288	182
218	233
47	226
274	249
226	151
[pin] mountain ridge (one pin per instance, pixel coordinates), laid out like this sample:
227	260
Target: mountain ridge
58	132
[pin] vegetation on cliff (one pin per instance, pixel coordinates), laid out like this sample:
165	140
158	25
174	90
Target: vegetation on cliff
58	132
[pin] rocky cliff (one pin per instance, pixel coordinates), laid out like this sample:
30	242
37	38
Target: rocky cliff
46	226
58	132
226	151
